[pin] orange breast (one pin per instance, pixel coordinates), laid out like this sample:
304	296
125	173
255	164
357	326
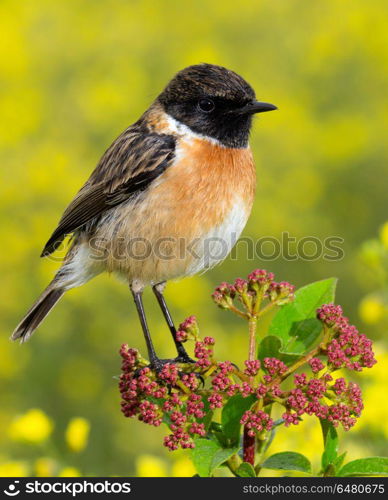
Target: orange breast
204	183
206	178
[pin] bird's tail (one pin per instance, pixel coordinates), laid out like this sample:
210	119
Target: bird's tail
38	312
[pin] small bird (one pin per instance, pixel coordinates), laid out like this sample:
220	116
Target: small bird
168	199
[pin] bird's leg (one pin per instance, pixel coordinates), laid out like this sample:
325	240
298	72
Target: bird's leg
155	362
182	357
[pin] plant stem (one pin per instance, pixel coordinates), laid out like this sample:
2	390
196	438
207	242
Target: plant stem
252	338
301	361
249	447
249	442
296	365
266	309
257	304
237	311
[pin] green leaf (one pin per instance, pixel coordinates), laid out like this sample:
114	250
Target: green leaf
246	470
288	460
330	440
270	347
221	456
203	454
231	416
340	460
295	324
209	454
371	466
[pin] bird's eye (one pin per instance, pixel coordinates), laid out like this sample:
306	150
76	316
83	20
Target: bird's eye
206	105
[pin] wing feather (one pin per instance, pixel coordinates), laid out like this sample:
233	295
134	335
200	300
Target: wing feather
132	162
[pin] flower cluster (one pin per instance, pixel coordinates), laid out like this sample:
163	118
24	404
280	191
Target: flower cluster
338	401
258	286
181	395
187	329
347	347
153	397
178	398
256	421
311	397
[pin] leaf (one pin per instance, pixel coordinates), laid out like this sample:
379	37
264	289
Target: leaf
330	440
221	456
209	454
340	460
288	460
270	347
231	416
246	470
371	466
203	454
295	324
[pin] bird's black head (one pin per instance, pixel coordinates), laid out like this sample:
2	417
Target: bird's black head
213	101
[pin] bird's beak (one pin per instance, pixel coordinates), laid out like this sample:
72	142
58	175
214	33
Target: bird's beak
255	107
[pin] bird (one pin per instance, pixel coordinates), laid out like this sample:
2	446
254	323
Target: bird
168	199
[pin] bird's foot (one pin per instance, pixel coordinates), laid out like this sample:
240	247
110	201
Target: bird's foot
157	364
184	359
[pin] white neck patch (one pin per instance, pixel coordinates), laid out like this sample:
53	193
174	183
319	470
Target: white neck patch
178	128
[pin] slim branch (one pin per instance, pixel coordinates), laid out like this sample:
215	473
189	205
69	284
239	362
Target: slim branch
249	442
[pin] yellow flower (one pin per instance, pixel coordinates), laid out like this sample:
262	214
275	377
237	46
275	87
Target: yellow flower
77	434
150	466
44	467
34	426
14	469
69	472
384	235
183	467
371	310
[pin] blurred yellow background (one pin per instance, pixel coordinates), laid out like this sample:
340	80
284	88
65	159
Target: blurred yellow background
73	75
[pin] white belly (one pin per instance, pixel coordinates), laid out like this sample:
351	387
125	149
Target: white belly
216	245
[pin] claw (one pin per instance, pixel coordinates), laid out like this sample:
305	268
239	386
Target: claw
198	375
157	364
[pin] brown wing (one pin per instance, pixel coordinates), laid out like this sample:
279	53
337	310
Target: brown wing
132	162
